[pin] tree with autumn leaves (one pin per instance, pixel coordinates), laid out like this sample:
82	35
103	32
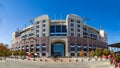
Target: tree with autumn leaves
82	53
98	52
106	52
92	53
4	51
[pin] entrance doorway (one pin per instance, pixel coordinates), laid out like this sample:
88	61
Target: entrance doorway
58	49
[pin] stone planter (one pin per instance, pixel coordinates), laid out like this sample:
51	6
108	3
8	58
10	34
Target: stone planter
28	59
103	59
34	59
76	60
93	59
61	60
40	59
69	60
99	59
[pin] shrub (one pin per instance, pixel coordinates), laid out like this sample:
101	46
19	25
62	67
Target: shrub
82	53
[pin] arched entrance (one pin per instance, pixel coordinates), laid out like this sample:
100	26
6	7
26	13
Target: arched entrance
58	48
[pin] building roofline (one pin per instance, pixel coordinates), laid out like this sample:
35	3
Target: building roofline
91	27
58	20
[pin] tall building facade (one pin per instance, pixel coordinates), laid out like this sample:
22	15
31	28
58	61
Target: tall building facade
63	37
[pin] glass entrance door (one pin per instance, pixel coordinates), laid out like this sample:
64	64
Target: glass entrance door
58	49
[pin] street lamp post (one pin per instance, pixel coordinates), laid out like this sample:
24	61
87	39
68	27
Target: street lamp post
87	19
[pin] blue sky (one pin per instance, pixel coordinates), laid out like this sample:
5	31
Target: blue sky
15	13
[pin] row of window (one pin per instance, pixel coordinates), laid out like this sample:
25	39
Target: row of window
44	25
72	34
43	35
72	24
43	30
72	49
72	29
58	30
24	36
43	21
72	20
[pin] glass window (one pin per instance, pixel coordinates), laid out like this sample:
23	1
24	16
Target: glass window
78	34
37	31
95	36
72	54
58	28
72	20
90	46
43	45
43	30
72	49
24	36
72	24
37	26
72	29
64	28
37	46
79	45
85	49
85	44
78	25
72	34
37	35
72	45
58	34
44	21
64	34
85	29
91	35
52	34
37	22
44	25
43	54
43	34
78	30
52	29
84	33
78	21
31	34
79	49
43	49
37	49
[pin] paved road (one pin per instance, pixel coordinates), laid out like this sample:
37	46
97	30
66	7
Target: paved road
27	64
34	64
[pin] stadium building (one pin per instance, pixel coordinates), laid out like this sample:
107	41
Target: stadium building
66	38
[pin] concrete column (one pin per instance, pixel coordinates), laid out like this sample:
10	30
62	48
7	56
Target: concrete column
40	54
29	48
49	53
75	49
34	48
67	48
47	50
88	47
